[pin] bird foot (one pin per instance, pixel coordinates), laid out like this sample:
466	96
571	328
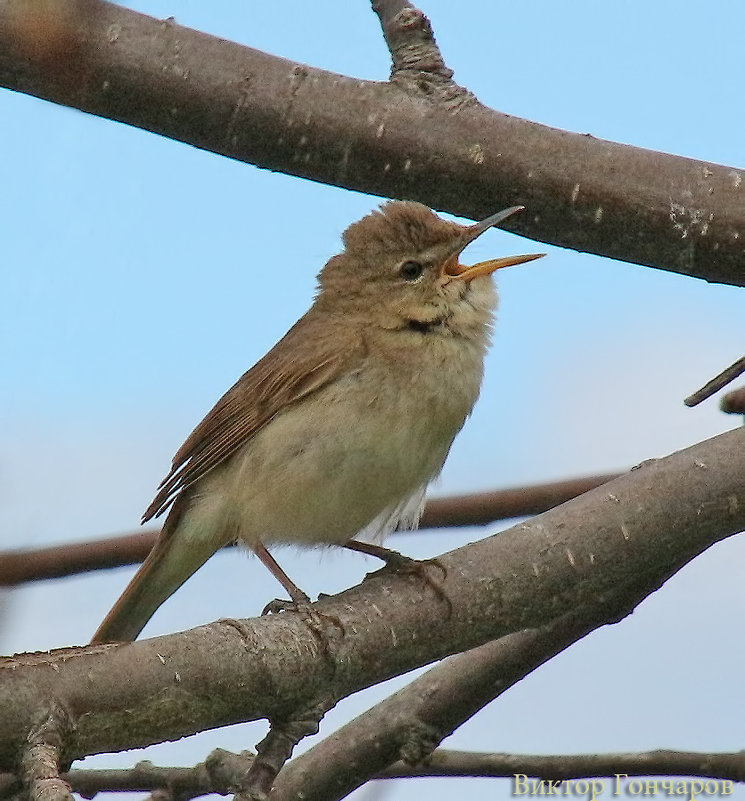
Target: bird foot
420	568
316	621
298	604
406	565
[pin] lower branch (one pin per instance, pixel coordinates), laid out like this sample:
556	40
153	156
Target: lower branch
412	722
187	783
575	766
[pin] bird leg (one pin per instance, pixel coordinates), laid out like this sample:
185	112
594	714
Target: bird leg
299	598
300	601
393	559
405	564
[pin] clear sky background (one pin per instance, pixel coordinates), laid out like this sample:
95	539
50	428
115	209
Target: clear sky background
140	277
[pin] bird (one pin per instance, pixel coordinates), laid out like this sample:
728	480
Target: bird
334	435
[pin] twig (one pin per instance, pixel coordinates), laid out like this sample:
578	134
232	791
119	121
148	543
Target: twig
34	564
182	783
220	773
416	58
19	566
388	9
730	766
718	382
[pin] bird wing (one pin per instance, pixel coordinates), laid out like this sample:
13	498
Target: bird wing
307	358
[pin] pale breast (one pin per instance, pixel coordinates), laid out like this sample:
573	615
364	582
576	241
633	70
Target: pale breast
355	455
359	449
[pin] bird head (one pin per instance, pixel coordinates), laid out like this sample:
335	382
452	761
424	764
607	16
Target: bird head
400	267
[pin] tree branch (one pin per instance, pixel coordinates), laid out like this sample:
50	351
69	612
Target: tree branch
34	564
417	62
40	758
588	194
720	381
387	10
574	766
274	750
220	771
412	722
597	557
481	508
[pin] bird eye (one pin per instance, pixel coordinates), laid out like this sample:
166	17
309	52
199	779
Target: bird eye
411	270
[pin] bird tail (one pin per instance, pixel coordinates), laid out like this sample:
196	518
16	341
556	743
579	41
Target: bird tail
174	557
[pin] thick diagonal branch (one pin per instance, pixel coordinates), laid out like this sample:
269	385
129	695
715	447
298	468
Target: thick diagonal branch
597	556
588	194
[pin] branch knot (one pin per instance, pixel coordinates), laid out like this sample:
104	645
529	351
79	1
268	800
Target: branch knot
421	740
417	64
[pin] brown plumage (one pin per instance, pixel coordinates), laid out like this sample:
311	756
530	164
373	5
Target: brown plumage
275	382
337	431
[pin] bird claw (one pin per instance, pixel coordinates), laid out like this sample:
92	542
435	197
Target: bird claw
281	605
405	564
316	621
418	567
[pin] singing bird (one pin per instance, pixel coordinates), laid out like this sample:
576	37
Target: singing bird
333	436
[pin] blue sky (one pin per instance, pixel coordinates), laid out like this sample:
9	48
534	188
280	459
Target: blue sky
139	280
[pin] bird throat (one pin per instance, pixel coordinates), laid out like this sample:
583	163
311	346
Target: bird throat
423	326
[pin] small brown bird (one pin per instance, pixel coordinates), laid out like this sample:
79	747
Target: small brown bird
338	430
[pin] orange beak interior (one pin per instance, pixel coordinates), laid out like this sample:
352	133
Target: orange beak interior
455	270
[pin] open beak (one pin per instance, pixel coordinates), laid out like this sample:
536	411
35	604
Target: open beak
454	269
